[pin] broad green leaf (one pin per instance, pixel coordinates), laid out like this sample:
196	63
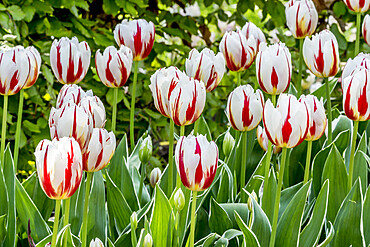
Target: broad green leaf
134	160
219	221
10	178
240	208
76	208
207	241
228	235
2	228
16	12
317	168
286	197
249	237
366	217
348	224
203	128
3	193
269	194
360	167
289	224
311	233
329	236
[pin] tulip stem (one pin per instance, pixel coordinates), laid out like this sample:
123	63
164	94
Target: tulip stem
196	127
308	162
170	157
192	226
141	182
358	27
244	160
299	81
56	223
66	219
238	78
114	111
277	199
178	179
352	157
18	130
328	108
89	176
132	110
133	236
3	129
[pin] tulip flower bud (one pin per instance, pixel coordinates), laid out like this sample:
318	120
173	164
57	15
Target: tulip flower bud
96	243
154	176
14	70
138	35
206	66
35	64
238	51
321	54
196	160
361	60
228	143
133	220
148	241
187	101
94	106
264	141
356	95
273	68
365	29
114	67
59	167
145	151
99	150
244	108
287	124
71	93
251	30
179	200
250	202
70	60
317	117
301	18
358	6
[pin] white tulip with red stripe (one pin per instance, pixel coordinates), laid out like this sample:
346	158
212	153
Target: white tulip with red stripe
318	120
244	108
99	151
96	243
274	68
365	29
358	6
59	167
138	35
286	125
35	65
206	66
196	161
321	54
114	66
95	107
251	30
264	141
70	60
71	93
361	60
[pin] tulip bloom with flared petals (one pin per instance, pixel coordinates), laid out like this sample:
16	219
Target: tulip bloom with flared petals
318	120
71	93
244	108
264	141
196	161
59	167
35	65
206	66
238	51
286	125
69	60
251	30
138	35
361	60
114	67
187	101
15	69
96	243
365	29
356	95
301	17
99	150
321	54
274	68
358	6
95	107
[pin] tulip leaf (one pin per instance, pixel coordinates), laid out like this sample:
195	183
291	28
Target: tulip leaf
134	160
360	169
219	220
289	224
335	171
269	194
208	240
225	184
286	197
312	231
348	224
3	193
76	208
366	216
329	235
240	208
2	229
317	168
249	237
255	181
203	128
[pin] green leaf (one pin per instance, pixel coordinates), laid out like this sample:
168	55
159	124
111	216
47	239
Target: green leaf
203	128
2	229
219	221
240	208
289	224
317	168
249	237
76	208
268	198
366	217
321	91
360	169
3	193
10	178
339	9
348	224
329	236
31	126
16	12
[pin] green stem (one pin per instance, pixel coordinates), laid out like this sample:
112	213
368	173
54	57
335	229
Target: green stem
86	204
3	129
358	28
352	157
133	237
18	130
308	162
192	226
244	159
238	78
299	81
177	222
114	111
56	223
178	179
277	199
196	127
66	219
132	110
328	108
141	182
170	157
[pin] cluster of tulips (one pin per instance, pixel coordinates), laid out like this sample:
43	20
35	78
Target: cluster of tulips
80	143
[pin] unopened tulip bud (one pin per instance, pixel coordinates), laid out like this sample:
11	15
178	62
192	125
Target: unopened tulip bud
96	243
145	151
179	200
154	176
133	220
250	202
228	144
148	241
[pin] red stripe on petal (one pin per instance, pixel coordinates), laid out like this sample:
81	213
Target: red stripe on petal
319	60
247	118
183	174
347	106
362	100
287	127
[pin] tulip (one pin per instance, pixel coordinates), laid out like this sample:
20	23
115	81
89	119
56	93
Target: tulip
148	241
358	6
302	17
71	93
206	66
114	66
273	68
69	60
365	29
94	106
155	176
96	243
251	30
263	140
145	151
138	35
179	200
71	121
361	60
238	51
228	144
133	220
34	66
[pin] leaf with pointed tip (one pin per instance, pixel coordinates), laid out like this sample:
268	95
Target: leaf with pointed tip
10	178
219	220
249	237
269	194
329	236
366	217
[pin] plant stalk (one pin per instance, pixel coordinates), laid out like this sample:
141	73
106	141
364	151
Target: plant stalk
133	237
192	226
358	28
3	129
114	111
299	81
238	79
66	219
132	110
196	127
56	223
89	177
141	182
244	159
352	157
178	179
328	108
170	158
308	162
